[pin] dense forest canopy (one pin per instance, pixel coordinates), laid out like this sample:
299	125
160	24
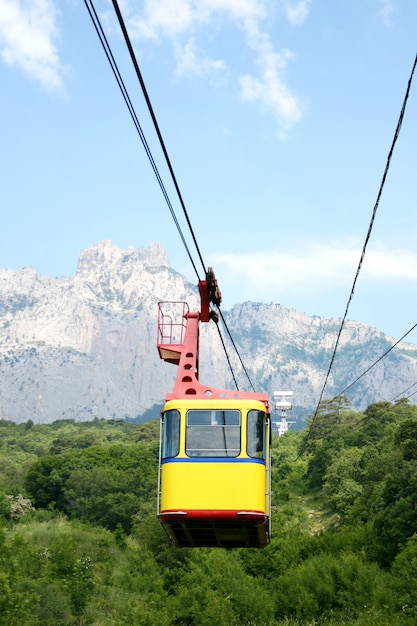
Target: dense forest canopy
80	542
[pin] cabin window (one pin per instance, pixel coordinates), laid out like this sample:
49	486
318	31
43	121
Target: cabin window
213	433
256	434
171	431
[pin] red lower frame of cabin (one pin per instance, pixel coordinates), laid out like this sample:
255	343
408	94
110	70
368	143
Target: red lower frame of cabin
212	528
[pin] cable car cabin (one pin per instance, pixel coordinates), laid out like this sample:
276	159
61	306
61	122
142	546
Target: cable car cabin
214	473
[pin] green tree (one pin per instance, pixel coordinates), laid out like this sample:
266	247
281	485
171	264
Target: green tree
342	480
404	579
396	517
216	590
327	583
103	485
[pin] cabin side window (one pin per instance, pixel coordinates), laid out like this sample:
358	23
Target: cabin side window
256	434
171	434
213	433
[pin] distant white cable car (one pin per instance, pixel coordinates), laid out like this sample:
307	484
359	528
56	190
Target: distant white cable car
283	403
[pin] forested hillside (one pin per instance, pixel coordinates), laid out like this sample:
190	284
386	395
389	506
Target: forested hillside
80	542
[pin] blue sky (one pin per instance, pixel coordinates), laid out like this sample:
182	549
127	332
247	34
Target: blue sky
278	116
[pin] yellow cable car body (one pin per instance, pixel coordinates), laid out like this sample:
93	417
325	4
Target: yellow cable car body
214	471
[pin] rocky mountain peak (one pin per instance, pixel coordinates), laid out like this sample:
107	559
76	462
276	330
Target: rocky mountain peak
105	257
85	346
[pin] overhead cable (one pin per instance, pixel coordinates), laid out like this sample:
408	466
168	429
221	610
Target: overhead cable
156	125
368	235
237	352
168	161
401	394
106	47
376	362
227	356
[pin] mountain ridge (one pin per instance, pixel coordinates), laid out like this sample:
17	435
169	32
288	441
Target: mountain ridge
84	346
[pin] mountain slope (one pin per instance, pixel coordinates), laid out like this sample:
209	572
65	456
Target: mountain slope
85	346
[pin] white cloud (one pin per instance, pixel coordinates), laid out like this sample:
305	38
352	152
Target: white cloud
388	9
315	268
237	9
170	18
165	18
270	88
27	32
190	60
391	264
181	20
297	12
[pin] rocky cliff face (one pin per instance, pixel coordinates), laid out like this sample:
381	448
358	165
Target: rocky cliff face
290	350
85	346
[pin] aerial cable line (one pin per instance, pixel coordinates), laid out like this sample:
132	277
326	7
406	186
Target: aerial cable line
237	352
168	161
368	235
376	362
400	395
156	125
106	47
227	357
